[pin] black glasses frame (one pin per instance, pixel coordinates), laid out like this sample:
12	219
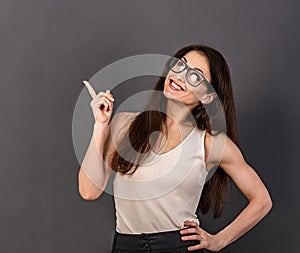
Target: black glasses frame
174	61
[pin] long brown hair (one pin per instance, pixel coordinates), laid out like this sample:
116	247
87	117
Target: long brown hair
153	119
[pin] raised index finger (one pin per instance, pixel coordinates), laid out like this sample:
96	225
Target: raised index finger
90	89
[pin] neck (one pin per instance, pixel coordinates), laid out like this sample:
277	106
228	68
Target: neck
178	113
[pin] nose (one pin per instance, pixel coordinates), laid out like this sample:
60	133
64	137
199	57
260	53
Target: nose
181	76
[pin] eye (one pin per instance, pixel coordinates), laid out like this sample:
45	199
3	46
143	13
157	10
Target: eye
180	65
195	77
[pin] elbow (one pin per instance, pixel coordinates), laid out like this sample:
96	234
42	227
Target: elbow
89	196
87	190
263	203
267	200
268	204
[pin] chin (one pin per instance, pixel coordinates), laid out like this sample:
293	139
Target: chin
171	96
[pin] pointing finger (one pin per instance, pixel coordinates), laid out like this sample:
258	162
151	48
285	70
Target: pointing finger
90	89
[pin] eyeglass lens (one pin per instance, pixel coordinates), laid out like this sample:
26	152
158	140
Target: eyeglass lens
193	76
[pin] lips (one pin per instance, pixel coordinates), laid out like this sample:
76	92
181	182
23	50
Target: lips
175	86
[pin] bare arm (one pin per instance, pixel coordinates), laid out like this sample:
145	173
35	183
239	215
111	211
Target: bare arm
96	167
249	184
94	173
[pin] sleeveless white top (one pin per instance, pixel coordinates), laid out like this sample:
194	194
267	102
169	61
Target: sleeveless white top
164	191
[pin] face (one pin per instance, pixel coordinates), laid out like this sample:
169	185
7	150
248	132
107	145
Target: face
176	87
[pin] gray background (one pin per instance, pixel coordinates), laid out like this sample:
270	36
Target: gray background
48	47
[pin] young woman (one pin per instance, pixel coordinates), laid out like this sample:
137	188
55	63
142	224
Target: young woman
163	156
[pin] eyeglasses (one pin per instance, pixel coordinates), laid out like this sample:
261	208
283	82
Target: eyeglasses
193	75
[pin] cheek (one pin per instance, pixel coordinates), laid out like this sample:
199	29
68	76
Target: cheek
198	92
191	98
166	83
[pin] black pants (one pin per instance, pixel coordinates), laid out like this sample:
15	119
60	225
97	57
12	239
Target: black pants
162	242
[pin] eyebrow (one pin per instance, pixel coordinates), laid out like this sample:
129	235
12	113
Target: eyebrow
195	68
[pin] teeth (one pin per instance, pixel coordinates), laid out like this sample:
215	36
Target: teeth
175	85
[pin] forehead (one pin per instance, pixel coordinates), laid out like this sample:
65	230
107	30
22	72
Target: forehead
198	60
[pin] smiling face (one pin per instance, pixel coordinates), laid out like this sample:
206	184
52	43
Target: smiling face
176	87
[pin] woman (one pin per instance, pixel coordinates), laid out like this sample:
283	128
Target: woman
163	155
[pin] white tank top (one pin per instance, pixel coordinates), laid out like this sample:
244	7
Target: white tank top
165	191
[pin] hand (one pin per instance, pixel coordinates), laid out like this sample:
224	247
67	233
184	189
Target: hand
206	240
102	105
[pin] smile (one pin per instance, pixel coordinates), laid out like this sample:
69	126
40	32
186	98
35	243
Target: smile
175	86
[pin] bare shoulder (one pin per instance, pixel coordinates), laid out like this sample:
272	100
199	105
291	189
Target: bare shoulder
121	116
122	119
215	145
214	138
120	123
221	150
118	127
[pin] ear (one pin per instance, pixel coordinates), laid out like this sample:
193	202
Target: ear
208	98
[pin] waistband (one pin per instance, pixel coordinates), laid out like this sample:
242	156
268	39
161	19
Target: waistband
152	241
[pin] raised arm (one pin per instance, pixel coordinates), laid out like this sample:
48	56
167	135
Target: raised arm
94	173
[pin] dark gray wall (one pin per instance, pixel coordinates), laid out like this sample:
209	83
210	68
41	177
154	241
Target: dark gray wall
49	46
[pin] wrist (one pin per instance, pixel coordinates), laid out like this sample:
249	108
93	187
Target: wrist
100	126
221	240
100	131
